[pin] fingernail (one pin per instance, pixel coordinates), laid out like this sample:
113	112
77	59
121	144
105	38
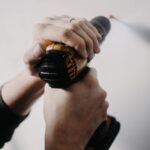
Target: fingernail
91	56
97	50
99	38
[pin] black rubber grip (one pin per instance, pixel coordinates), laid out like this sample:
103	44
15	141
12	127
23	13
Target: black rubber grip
105	134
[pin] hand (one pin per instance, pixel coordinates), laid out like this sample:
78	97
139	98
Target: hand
72	115
32	57
75	32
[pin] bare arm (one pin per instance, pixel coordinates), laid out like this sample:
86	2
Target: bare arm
66	111
21	92
72	115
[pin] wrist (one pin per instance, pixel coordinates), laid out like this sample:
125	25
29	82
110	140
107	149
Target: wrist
21	92
59	141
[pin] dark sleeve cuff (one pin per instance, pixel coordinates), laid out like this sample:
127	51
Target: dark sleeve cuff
9	121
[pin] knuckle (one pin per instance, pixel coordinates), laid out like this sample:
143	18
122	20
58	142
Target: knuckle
65	33
83	20
74	26
39	26
106	105
80	45
90	43
93	75
103	94
101	100
94	37
79	22
93	71
92	81
37	29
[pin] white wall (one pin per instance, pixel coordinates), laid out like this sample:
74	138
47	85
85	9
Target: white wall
123	65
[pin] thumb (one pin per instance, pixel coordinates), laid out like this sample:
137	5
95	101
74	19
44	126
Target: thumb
33	55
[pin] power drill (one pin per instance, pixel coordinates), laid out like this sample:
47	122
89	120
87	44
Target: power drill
62	66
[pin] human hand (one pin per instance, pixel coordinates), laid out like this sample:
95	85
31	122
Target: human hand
74	32
72	115
32	57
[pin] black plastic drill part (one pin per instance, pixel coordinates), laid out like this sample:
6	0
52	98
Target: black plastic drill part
104	135
52	69
102	24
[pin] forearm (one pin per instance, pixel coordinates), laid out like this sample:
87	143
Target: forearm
55	144
21	92
59	136
62	147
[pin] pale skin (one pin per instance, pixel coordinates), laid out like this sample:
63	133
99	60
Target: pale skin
63	109
21	92
72	115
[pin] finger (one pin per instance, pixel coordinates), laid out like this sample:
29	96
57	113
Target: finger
93	72
75	27
34	54
88	41
31	70
93	29
104	109
92	35
46	33
52	20
90	26
101	97
77	42
91	78
59	34
101	114
84	31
